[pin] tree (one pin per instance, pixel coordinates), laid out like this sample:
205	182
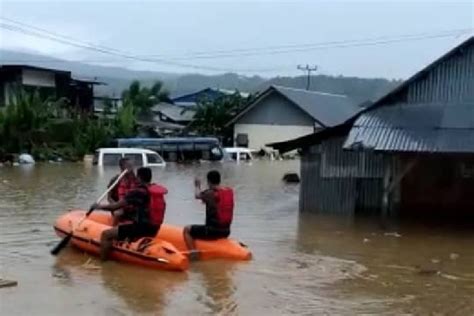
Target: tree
142	99
25	116
212	116
125	120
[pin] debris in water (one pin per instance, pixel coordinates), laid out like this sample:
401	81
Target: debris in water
453	256
394	234
366	240
7	283
60	274
435	260
449	276
89	264
428	270
395	266
291	178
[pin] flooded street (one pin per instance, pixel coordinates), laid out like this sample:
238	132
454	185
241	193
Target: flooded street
303	264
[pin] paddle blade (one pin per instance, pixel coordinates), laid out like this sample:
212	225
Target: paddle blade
63	243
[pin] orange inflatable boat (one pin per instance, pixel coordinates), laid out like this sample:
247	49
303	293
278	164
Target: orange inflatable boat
150	252
216	249
225	248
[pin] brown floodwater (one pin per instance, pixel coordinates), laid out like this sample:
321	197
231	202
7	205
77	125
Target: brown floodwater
303	264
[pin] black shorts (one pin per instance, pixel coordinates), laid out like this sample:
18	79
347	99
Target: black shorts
208	232
134	231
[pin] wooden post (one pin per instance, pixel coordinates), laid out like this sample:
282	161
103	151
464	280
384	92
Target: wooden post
386	193
390	184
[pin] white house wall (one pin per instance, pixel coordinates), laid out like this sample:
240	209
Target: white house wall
261	134
274	119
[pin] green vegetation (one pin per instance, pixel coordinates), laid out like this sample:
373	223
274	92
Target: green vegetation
143	98
212	116
49	128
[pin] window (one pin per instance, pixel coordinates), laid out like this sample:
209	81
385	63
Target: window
170	147
216	153
467	169
186	147
153	159
136	159
244	156
111	159
242	140
202	146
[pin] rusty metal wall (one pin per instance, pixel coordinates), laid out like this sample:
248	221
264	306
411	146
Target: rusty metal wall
452	80
329	186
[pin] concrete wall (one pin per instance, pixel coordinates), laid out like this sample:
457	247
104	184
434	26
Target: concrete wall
261	134
273	119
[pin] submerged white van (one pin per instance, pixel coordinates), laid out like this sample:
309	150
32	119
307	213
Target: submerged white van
139	157
239	154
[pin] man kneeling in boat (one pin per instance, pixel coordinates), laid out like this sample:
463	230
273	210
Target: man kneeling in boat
219	202
145	204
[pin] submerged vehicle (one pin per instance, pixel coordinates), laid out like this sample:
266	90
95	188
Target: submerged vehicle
177	148
139	157
239	154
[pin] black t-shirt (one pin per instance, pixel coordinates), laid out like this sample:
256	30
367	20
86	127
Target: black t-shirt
138	200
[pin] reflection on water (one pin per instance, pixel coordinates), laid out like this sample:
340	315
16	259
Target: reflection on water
303	265
217	280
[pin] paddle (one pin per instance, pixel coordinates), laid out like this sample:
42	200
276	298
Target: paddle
63	243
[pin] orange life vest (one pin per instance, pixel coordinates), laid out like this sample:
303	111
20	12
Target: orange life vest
225	205
126	184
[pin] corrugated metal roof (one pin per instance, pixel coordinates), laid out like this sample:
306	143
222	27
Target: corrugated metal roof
207	93
445	128
175	112
460	74
327	108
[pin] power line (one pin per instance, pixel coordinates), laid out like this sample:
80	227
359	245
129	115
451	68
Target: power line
285	49
30	30
53	33
108	51
276	49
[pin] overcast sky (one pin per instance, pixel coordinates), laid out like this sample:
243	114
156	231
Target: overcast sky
249	33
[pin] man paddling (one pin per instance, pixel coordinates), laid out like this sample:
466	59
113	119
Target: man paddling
145	204
219	202
125	185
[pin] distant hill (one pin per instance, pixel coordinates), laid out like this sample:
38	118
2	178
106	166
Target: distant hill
117	78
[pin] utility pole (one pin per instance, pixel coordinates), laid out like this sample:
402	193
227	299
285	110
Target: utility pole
308	70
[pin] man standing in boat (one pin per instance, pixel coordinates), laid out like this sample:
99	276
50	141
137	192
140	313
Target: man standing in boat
146	206
125	185
219	202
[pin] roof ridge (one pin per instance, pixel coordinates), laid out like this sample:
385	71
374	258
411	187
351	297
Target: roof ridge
310	91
